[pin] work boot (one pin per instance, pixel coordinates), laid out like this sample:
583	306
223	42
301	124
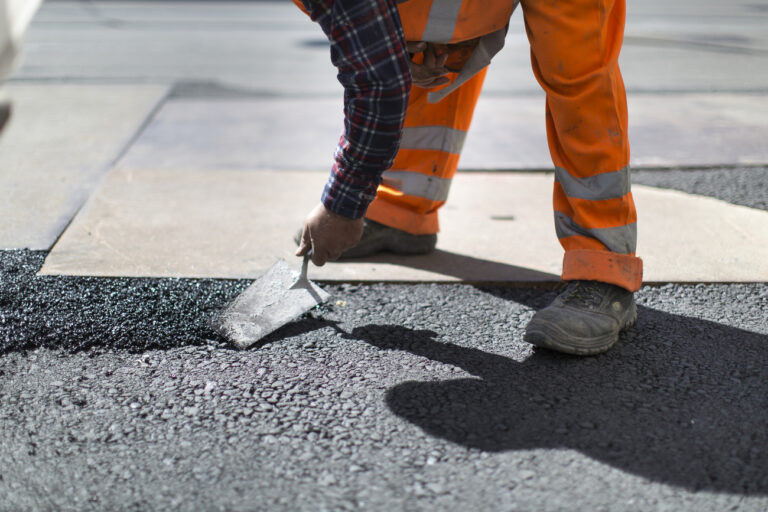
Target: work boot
583	320
379	238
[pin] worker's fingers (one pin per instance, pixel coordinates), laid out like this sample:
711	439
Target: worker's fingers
415	46
429	58
305	244
429	81
423	76
441	60
437	82
319	257
333	256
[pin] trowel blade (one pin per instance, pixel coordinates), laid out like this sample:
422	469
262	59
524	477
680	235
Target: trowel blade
268	303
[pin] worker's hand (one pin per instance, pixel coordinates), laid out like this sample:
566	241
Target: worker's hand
432	71
328	234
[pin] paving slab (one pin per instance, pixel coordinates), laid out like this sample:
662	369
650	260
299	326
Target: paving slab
507	133
664	130
271	47
236	224
59	143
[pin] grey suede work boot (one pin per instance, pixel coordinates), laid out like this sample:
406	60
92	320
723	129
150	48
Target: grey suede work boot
583	320
379	238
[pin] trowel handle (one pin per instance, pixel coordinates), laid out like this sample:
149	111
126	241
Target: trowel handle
305	265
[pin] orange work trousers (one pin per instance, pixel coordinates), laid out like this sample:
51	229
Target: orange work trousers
575	47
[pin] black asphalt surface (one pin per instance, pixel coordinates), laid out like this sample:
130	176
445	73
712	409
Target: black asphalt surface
116	395
746	186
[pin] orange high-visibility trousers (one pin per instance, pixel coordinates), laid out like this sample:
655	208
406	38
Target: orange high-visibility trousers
574	52
417	185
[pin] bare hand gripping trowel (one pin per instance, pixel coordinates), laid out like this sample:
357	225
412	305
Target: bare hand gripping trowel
278	297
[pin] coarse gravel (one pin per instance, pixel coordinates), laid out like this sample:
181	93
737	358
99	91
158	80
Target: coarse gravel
116	395
746	186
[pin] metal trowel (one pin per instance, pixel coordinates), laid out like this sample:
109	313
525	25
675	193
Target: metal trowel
278	297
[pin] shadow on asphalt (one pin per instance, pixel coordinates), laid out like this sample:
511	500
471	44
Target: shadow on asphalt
679	400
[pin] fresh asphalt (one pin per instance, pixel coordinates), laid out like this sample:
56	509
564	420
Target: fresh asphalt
117	395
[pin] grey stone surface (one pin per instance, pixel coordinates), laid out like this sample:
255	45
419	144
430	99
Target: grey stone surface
664	131
496	227
61	140
271	47
250	133
116	395
507	133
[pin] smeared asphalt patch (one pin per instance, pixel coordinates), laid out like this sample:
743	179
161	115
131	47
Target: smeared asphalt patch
743	186
74	313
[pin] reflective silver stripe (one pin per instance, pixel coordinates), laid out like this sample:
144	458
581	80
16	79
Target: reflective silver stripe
437	138
609	185
622	239
415	184
443	16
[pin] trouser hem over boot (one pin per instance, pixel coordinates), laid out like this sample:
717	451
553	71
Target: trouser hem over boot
623	270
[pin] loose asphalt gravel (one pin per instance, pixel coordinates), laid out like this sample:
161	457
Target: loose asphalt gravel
116	395
745	186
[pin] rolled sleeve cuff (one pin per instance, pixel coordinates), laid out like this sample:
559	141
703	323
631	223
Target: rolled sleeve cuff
349	195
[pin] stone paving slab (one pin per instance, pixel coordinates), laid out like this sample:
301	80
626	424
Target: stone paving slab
60	141
235	224
688	45
507	133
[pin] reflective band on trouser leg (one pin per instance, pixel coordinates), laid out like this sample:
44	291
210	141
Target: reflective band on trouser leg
452	21
586	115
417	185
441	22
439	138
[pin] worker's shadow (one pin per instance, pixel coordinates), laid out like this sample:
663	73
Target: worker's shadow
683	402
467	269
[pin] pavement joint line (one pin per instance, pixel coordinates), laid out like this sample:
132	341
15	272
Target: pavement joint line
270	93
687	167
150	117
698	45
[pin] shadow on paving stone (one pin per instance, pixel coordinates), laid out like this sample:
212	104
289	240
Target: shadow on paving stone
679	400
467	269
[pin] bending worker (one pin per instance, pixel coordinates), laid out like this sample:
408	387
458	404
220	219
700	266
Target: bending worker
412	72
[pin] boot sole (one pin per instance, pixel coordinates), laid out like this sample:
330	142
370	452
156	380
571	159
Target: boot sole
553	338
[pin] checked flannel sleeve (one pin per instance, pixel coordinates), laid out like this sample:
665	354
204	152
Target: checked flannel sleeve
368	49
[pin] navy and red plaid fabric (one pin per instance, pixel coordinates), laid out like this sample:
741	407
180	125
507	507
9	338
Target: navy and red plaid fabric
368	49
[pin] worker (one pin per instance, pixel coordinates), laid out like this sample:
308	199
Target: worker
412	72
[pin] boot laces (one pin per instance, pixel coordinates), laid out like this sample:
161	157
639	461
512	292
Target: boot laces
584	293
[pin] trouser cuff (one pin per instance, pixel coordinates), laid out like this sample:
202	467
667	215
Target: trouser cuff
405	219
623	270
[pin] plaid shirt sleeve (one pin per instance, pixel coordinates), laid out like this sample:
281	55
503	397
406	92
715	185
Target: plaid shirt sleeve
368	49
